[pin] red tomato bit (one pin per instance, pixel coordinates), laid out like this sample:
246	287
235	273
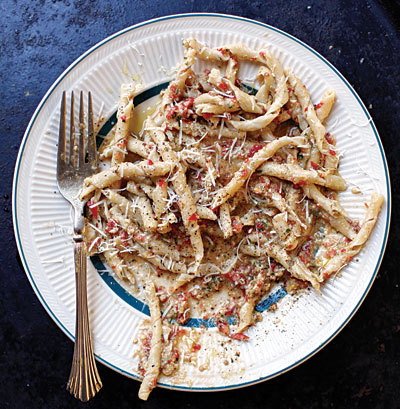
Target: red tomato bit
193	217
223	86
239	336
93	208
254	149
207	116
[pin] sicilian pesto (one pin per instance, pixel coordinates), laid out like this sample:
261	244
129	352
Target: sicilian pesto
223	192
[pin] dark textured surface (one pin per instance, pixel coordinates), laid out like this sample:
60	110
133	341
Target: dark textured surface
39	39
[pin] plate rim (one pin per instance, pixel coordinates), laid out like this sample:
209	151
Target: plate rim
161	19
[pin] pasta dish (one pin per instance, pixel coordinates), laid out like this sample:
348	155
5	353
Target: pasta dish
226	190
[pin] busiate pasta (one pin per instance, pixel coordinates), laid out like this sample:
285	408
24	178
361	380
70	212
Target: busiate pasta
224	192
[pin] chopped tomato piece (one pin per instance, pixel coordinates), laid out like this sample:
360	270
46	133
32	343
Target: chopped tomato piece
172	111
328	138
237	226
331	253
111	225
244	173
240	336
193	217
93	208
303	259
223	86
254	149
223	327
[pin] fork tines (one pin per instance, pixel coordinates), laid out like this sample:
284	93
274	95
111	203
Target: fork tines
82	145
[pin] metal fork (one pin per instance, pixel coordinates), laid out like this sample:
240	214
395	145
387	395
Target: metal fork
73	166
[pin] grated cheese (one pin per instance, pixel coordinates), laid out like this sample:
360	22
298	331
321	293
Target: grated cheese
307	215
91	206
95	228
238	248
93	243
167	310
223	93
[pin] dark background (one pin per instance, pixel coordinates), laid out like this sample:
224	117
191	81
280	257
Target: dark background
39	39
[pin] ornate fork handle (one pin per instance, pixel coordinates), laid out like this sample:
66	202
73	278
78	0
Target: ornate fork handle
84	381
76	160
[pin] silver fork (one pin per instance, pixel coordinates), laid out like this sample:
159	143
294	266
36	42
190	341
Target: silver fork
73	166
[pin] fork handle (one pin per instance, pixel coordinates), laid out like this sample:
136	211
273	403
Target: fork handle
84	381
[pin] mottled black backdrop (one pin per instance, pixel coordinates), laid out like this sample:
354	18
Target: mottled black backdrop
39	39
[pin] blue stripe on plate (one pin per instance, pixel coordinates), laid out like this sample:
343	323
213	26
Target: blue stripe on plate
125	295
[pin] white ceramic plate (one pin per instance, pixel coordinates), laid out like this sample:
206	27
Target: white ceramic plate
42	219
